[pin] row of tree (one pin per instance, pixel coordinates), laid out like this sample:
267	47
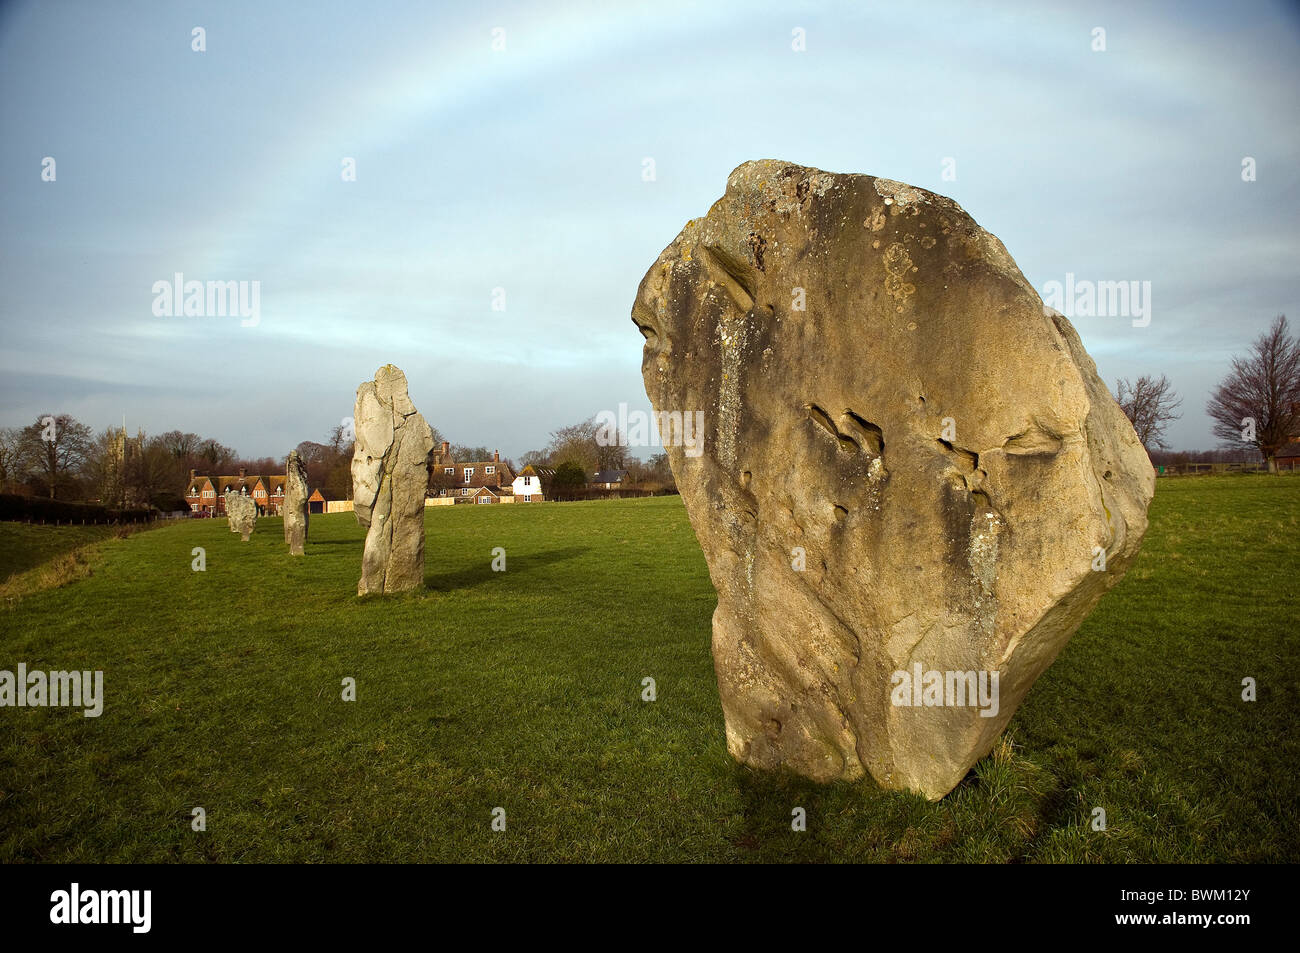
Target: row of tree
60	457
576	452
1255	408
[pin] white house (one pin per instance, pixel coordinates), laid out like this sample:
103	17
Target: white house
528	485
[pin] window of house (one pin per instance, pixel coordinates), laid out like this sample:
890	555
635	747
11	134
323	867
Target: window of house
449	471
528	481
194	491
489	469
464	491
194	507
469	472
528	499
484	499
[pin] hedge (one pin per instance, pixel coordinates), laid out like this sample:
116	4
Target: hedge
35	509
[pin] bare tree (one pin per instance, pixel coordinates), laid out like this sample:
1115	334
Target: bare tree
152	469
182	446
464	454
1259	402
1149	405
662	470
215	456
579	443
14	458
58	445
337	482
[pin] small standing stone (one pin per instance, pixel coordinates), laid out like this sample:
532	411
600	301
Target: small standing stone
295	504
241	512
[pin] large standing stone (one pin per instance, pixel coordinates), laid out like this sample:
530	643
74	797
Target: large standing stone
911	468
390	475
241	512
295	504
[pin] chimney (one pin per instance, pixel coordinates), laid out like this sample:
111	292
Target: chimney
446	448
191	476
496	456
241	473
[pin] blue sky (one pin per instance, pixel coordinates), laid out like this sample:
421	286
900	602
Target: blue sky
522	169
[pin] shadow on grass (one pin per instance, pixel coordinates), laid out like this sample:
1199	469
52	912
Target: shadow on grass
469	577
769	799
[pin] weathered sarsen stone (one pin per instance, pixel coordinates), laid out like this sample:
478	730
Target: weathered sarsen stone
914	485
390	476
241	513
294	506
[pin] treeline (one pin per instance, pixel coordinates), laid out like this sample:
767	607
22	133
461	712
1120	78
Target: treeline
1179	458
576	453
36	509
1255	407
59	458
329	464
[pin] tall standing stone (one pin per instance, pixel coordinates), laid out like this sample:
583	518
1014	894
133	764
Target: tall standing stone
295	504
241	513
914	485
390	476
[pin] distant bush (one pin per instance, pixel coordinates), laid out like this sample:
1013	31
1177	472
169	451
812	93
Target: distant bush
569	475
35	509
570	494
167	502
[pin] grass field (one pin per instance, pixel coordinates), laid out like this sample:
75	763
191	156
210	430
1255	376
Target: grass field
24	546
522	690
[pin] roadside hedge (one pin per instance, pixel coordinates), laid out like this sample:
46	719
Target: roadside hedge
35	509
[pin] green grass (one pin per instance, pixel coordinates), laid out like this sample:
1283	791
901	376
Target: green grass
522	690
24	546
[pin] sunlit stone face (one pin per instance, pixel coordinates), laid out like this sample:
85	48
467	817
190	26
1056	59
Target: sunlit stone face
907	462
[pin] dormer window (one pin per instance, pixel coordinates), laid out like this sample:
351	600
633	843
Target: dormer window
469	472
449	471
489	469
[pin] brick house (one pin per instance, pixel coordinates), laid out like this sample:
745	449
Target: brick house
608	479
463	480
201	495
1288	457
205	495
